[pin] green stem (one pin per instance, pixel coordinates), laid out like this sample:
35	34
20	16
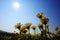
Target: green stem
29	30
45	31
34	31
49	33
20	32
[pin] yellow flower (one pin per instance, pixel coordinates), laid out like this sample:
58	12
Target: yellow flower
18	25
28	25
40	25
34	27
56	28
40	15
23	28
44	20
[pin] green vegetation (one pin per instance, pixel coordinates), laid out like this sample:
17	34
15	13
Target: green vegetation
44	34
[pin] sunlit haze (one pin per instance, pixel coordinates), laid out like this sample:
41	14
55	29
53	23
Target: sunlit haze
16	5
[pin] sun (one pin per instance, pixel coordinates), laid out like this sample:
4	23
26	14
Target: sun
16	5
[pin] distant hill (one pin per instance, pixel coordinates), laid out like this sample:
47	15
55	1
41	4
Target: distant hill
4	33
8	36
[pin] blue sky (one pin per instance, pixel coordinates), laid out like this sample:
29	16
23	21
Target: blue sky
27	12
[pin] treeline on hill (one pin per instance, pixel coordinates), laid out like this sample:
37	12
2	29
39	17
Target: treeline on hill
44	34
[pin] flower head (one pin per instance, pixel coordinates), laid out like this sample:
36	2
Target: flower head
18	25
40	15
28	25
40	25
56	28
23	28
44	20
33	27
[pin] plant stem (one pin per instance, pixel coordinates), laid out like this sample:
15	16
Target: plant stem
29	30
34	31
45	31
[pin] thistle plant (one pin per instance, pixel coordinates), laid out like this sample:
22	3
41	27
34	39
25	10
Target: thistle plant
18	26
43	20
56	28
23	28
28	26
34	27
40	15
57	31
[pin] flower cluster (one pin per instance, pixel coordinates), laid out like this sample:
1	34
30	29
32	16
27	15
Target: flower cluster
44	34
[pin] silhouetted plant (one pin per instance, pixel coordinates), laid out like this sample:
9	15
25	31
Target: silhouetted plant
28	26
43	20
18	26
34	27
